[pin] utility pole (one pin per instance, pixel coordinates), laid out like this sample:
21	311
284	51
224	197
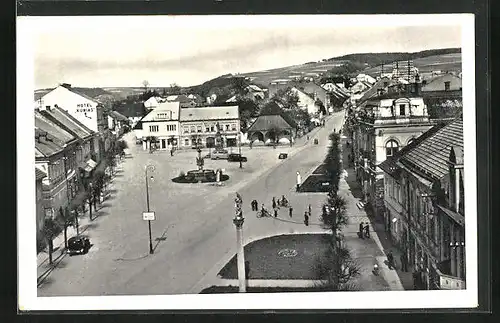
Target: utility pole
151	168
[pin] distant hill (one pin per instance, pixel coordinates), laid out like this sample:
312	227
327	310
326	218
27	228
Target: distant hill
374	59
368	63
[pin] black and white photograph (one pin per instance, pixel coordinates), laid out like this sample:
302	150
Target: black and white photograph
239	161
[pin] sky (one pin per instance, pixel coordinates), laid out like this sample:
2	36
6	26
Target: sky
189	50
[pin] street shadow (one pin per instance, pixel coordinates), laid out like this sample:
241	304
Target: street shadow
354	186
118	171
109	198
104	205
91	225
159	239
101	214
112	191
117	175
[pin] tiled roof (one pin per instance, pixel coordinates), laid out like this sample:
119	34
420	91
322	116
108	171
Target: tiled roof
58	134
373	90
46	147
117	115
266	122
135	109
67	122
390	165
209	113
255	88
80	92
431	155
39	174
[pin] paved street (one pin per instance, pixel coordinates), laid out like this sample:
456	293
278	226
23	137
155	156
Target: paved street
195	220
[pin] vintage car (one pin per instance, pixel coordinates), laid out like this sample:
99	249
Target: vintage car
219	154
236	158
78	245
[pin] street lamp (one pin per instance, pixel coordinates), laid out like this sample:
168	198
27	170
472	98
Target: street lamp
239	149
238	222
150	168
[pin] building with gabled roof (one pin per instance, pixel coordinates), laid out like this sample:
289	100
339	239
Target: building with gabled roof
160	128
199	126
424	203
87	110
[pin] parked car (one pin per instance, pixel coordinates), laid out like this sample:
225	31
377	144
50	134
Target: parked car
219	154
78	245
236	158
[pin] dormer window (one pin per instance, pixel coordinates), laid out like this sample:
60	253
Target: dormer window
391	147
447	86
402	109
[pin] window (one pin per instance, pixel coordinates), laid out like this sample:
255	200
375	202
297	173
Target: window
402	109
171	127
447	86
186	142
410	141
212	128
391	147
186	130
193	142
199	128
207	129
193	129
233	127
227	127
153	128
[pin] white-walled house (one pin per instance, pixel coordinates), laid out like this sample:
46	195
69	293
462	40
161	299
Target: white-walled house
153	102
84	108
306	102
366	78
162	123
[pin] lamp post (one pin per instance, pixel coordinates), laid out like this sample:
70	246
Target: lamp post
238	222
90	200
150	168
239	148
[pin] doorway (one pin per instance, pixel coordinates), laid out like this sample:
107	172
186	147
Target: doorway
163	144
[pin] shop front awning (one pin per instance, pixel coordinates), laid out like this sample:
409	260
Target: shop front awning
91	164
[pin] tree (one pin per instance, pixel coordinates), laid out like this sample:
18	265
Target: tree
120	147
332	161
247	109
152	140
239	86
66	219
286	98
50	230
336	269
145	84
174	88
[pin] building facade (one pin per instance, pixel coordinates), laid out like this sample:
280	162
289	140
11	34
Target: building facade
200	125
161	127
85	109
424	198
40	215
383	127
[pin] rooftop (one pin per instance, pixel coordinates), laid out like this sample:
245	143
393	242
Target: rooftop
55	132
39	174
117	115
266	122
210	113
67	122
429	153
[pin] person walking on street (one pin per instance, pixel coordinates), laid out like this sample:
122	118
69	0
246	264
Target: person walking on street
360	232
367	230
306	219
274	203
290	211
309	209
276	212
299	180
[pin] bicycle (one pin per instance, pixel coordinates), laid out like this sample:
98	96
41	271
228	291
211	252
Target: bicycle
263	213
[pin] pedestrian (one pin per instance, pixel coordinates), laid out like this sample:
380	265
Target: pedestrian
404	264
323	209
274	203
275	212
172	152
360	233
309	209
299	180
390	259
306	219
247	269
367	230
290	211
253	205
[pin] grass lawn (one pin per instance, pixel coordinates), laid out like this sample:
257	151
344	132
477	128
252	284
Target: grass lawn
315	184
266	261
